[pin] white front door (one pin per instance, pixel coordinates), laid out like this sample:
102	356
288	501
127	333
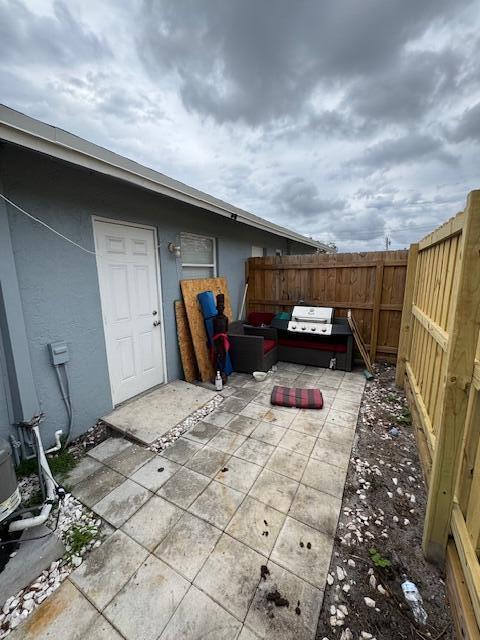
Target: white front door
129	290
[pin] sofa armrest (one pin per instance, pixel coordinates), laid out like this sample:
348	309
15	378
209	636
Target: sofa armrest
246	352
265	332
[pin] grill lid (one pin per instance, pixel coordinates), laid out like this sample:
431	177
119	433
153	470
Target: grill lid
313	314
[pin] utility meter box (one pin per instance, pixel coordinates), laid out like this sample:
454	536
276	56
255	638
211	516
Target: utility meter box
58	353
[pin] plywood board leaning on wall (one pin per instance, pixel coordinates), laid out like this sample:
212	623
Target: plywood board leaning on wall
185	344
190	290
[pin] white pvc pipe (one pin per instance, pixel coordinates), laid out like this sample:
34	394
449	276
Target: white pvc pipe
28	523
58	444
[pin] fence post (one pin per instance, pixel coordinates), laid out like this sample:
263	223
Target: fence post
407	317
377	299
460	353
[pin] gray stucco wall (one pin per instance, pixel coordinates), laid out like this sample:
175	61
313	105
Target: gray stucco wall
58	282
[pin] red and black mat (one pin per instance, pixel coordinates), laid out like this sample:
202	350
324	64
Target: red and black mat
299	398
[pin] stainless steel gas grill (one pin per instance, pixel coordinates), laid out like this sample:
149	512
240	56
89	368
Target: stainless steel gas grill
313	320
314	336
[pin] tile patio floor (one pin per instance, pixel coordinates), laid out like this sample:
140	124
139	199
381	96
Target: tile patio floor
252	485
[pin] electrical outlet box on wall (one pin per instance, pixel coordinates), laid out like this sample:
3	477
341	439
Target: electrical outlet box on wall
58	353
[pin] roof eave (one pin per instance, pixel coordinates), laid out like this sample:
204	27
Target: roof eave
82	157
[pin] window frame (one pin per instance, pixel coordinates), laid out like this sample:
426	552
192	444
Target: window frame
210	265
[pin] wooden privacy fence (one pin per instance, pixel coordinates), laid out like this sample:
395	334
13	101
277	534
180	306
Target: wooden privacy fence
439	364
371	284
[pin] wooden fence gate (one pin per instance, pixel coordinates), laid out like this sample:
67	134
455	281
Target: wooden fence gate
371	284
439	364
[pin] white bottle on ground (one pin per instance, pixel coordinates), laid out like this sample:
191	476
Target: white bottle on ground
218	382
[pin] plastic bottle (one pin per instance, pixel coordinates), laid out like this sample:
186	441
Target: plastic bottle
218	382
415	602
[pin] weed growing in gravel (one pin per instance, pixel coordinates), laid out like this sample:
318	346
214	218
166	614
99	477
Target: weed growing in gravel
78	537
61	463
378	560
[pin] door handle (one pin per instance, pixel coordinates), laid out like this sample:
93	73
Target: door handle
156	323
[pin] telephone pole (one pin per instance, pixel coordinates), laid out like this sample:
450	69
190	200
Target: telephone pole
388	242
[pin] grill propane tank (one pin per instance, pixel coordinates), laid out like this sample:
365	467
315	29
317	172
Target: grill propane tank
9	492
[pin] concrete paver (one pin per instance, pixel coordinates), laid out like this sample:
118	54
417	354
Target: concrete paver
220	418
151	523
297	442
141	610
310	425
122	502
324	477
98	485
309	564
208	461
331	452
280	417
287	463
188	545
238	474
255	451
108	568
231	575
198	617
202	432
67	614
85	468
285	479
181	451
268	432
341	436
155	473
227	441
275	490
217	504
256	524
234	405
285	624
109	448
243	425
342	418
129	460
254	411
185	486
102	630
318	510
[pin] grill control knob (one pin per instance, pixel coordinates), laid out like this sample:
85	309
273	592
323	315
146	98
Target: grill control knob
303	328
294	326
314	328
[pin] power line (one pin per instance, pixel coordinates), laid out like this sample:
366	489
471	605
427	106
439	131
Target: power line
29	215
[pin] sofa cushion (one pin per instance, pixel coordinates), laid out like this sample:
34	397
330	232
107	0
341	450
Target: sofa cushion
257	318
336	347
268	345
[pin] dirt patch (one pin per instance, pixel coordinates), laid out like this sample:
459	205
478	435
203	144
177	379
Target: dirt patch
379	534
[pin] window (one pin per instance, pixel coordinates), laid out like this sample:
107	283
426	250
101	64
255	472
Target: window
278	252
198	256
258	252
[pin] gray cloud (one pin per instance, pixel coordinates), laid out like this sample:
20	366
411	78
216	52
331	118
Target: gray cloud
468	126
301	198
60	39
247	61
409	148
342	120
408	90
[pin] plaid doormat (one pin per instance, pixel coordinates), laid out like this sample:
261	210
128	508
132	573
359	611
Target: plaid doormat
300	398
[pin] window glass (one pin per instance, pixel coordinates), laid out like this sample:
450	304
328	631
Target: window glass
198	256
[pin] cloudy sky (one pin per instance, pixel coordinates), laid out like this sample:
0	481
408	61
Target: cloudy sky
345	120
